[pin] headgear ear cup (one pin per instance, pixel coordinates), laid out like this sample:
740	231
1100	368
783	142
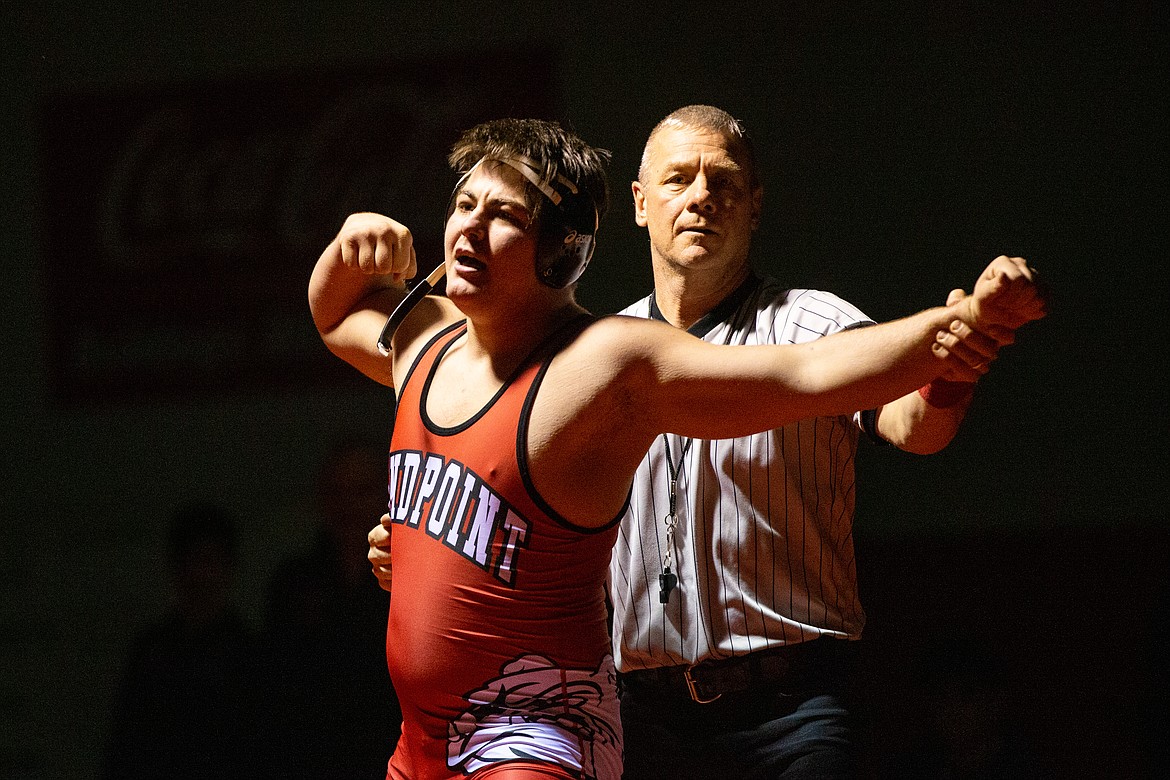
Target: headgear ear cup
567	242
566	231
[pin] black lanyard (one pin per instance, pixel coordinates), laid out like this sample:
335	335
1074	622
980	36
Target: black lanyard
667	580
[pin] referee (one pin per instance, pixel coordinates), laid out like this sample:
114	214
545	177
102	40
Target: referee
733	583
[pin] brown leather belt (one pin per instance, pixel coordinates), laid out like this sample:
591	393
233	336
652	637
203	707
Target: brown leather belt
789	666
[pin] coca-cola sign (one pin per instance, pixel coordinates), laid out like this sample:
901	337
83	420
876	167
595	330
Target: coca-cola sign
181	223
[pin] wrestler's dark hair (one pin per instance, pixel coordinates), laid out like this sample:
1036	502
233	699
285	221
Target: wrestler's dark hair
563	162
701	117
554	149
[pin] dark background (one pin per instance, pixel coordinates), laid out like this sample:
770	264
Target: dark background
171	173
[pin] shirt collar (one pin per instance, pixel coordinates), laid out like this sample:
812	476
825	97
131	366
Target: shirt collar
720	313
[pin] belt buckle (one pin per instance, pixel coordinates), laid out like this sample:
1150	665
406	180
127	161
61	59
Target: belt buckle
692	687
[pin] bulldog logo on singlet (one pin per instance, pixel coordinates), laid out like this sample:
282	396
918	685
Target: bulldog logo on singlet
454	505
536	710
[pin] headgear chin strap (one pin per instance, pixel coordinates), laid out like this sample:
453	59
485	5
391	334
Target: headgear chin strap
567	231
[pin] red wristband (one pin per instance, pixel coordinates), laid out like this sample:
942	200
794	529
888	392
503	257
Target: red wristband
942	393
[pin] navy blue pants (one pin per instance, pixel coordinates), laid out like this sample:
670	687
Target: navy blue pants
765	732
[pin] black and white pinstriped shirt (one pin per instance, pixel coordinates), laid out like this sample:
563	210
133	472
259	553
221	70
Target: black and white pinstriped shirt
764	540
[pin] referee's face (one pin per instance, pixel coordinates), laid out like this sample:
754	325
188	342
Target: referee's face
696	200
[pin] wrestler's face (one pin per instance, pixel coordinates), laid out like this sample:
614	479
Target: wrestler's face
490	239
697	200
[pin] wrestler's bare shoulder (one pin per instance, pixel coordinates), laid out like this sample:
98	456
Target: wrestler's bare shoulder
611	364
618	337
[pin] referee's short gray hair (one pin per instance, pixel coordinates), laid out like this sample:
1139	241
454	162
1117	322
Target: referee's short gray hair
702	117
